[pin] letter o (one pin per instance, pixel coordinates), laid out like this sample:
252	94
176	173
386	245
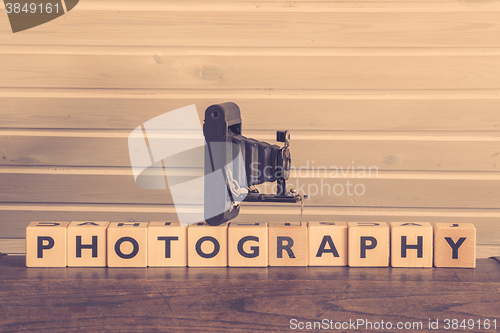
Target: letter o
207	255
356	189
341	187
132	254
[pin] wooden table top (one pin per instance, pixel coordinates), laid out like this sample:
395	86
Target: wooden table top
242	299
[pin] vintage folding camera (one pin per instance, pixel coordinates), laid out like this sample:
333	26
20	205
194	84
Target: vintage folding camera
244	162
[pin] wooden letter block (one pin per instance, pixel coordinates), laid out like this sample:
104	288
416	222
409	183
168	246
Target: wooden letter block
287	244
87	244
247	244
368	244
454	245
207	245
327	243
411	244
167	244
127	244
46	244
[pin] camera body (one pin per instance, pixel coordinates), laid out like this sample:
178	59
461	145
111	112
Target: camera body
244	162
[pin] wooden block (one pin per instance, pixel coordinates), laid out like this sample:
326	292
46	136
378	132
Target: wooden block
287	244
411	244
46	244
454	245
167	244
327	243
368	244
127	244
247	244
207	245
87	244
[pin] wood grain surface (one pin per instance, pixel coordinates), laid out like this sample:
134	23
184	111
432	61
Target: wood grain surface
241	71
238	299
342	150
263	109
409	87
387	190
246	23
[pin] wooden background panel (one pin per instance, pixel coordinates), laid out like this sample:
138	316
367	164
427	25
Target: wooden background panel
396	85
389	189
295	110
13	246
250	72
103	188
289	27
476	151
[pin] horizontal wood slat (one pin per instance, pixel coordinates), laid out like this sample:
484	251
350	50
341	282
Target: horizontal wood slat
381	151
12	246
358	27
250	72
286	6
325	110
402	191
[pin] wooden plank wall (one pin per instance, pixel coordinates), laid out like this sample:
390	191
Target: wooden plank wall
411	88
